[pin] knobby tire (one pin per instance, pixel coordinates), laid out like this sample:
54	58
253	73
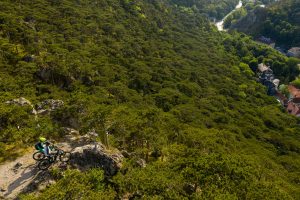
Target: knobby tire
38	156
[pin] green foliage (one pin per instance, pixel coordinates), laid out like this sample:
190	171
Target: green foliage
279	20
236	15
163	83
296	83
284	88
282	23
252	53
77	185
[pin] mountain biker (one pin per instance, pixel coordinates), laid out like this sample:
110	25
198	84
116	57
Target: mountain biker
43	146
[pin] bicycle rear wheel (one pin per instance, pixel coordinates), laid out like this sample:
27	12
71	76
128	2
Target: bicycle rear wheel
65	157
38	156
44	164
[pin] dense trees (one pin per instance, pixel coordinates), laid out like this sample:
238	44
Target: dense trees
166	86
216	9
279	21
252	53
282	23
236	15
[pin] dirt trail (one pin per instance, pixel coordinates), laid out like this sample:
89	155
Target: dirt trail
15	176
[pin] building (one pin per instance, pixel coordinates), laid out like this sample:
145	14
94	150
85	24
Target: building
263	68
266	77
294	92
276	82
294	107
294	52
281	50
265	73
265	40
282	99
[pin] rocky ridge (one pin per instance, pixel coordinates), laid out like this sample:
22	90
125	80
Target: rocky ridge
22	175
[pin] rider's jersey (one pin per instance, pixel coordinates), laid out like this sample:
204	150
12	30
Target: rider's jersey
39	146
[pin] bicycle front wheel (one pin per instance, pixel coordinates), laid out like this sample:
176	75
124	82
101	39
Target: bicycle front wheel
38	156
44	164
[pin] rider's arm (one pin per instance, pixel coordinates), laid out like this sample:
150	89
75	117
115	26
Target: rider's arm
40	147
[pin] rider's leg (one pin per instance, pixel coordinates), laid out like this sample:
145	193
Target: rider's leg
46	151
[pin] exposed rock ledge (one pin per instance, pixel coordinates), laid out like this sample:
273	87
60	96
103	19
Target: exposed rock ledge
95	155
22	175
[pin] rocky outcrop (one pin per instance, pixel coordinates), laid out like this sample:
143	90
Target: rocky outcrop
70	132
42	108
22	102
49	105
22	175
141	163
96	156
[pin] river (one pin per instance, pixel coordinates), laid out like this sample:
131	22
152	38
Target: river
220	24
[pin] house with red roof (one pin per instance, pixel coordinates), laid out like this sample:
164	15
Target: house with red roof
293	106
294	92
282	99
294	52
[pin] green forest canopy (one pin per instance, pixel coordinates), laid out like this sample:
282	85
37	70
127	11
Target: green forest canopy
279	21
148	72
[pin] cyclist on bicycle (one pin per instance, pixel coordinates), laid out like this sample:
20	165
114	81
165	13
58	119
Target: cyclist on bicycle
43	146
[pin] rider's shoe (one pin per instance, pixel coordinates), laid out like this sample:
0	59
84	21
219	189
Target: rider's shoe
50	157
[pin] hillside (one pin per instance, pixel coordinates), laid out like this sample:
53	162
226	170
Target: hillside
212	8
155	80
279	21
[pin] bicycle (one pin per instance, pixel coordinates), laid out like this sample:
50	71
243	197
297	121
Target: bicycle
47	161
38	156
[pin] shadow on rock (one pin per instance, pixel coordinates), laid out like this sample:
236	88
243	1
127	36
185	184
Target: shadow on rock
95	156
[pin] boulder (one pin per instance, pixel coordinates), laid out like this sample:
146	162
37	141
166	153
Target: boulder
93	133
70	131
96	156
17	167
141	163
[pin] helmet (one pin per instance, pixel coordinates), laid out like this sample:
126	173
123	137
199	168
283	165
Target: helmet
42	139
